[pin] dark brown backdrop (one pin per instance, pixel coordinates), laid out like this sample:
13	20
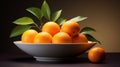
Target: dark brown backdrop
103	15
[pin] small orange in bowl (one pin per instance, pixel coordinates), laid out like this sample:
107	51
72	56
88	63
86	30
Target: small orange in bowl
28	36
61	37
71	27
51	27
80	38
96	54
43	37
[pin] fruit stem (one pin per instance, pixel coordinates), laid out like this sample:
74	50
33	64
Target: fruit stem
40	24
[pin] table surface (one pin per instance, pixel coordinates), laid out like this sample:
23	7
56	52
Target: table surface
24	60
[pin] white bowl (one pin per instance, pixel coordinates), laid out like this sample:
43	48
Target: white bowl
51	52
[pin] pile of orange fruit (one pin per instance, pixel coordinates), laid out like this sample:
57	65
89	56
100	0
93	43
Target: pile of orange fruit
67	33
54	33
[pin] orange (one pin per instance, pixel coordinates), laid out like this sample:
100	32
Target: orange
61	37
43	37
81	38
71	27
28	36
96	54
51	27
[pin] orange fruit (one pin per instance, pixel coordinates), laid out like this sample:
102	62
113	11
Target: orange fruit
28	36
43	37
51	27
81	38
70	27
61	37
96	54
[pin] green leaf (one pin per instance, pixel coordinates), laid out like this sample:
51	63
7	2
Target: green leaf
35	11
61	21
91	38
78	18
56	15
24	21
18	30
87	30
46	10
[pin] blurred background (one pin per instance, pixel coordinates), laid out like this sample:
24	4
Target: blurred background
103	15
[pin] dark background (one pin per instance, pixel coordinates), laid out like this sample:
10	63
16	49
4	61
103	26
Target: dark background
104	15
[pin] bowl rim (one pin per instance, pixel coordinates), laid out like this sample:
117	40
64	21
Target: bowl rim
20	42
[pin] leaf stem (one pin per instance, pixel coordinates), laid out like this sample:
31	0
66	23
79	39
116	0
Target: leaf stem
37	26
40	21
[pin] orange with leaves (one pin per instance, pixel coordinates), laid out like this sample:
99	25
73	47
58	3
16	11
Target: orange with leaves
51	27
71	27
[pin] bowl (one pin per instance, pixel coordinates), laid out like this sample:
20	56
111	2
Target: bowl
54	52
